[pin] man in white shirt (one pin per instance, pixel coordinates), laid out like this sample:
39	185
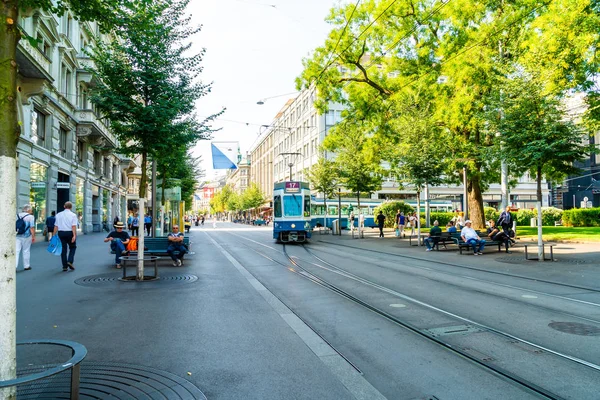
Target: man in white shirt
26	236
471	237
66	227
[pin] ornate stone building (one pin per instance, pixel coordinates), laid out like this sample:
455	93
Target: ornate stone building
66	151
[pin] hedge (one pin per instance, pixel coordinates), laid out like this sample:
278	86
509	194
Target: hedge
390	209
581	217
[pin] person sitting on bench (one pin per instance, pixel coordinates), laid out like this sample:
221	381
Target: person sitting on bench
118	239
470	237
434	233
176	244
498	236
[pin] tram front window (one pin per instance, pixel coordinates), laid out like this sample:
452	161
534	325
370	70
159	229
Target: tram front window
277	206
292	206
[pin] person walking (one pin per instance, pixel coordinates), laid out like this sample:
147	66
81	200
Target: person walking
118	240
413	223
380	221
505	220
148	223
401	223
135	225
50	221
25	227
66	228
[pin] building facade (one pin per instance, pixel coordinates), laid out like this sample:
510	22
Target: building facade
291	145
65	151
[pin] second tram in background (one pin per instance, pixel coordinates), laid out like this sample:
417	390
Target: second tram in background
291	212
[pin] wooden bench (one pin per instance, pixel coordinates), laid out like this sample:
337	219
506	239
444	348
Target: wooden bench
158	246
462	244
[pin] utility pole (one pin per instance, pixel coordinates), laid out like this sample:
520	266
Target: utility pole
503	165
290	162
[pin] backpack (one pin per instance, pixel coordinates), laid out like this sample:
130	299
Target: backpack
21	225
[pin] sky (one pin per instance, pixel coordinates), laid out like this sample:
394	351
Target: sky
254	51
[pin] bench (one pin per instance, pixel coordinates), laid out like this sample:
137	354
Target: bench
158	246
551	245
444	238
462	244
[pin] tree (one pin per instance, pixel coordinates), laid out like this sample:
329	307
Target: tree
147	85
416	148
323	178
253	197
536	135
454	52
356	161
106	12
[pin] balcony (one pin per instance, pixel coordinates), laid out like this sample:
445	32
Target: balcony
32	62
92	128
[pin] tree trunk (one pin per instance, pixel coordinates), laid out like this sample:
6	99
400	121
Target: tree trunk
9	135
475	203
141	214
539	214
360	232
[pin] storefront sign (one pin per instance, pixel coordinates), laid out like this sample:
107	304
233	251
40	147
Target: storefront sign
38	185
63	185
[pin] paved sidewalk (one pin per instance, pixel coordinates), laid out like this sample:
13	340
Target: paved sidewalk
219	332
577	263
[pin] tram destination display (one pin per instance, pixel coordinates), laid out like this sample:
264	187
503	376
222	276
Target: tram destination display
292	187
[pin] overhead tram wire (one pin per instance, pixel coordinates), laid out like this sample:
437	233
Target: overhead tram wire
355	39
329	61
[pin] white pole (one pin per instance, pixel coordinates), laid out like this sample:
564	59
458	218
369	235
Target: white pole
140	260
418	221
8	289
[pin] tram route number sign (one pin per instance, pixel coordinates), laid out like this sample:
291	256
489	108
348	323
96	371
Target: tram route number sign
292	187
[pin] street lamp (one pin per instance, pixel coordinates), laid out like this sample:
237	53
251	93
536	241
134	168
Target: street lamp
290	162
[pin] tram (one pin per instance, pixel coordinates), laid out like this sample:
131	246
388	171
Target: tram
367	207
291	212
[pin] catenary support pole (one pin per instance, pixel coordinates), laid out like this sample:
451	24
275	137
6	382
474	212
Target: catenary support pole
465	194
154	193
340	211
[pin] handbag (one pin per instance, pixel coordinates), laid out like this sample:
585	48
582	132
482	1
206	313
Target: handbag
55	246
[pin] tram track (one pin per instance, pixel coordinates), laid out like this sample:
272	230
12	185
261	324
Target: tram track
298	268
528	278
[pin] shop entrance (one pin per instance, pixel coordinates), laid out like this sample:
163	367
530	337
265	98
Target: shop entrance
62	191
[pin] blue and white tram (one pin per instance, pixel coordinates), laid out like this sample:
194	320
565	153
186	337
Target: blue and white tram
291	212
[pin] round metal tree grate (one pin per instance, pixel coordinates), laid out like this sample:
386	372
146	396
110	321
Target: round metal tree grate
110	381
575	328
112	280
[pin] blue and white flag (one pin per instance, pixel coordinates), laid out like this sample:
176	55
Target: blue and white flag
225	154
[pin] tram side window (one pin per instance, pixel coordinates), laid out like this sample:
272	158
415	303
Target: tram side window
277	206
292	206
307	206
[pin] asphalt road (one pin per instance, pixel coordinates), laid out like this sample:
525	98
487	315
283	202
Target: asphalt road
334	319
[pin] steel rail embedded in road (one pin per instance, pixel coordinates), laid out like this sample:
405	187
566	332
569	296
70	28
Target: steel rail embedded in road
596	290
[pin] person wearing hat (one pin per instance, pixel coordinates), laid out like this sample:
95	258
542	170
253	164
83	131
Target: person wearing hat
471	237
118	240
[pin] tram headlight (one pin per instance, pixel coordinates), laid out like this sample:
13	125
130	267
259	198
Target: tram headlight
293	226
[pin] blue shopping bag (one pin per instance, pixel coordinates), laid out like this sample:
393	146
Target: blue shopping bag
55	246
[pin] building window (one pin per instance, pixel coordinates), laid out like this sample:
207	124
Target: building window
63	141
330	117
67	84
97	162
38	128
80	151
106	167
83	98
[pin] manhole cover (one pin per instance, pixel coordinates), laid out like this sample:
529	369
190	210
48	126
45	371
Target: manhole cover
110	380
112	280
575	328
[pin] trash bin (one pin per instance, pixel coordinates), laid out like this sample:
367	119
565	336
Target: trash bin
533	222
335	227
